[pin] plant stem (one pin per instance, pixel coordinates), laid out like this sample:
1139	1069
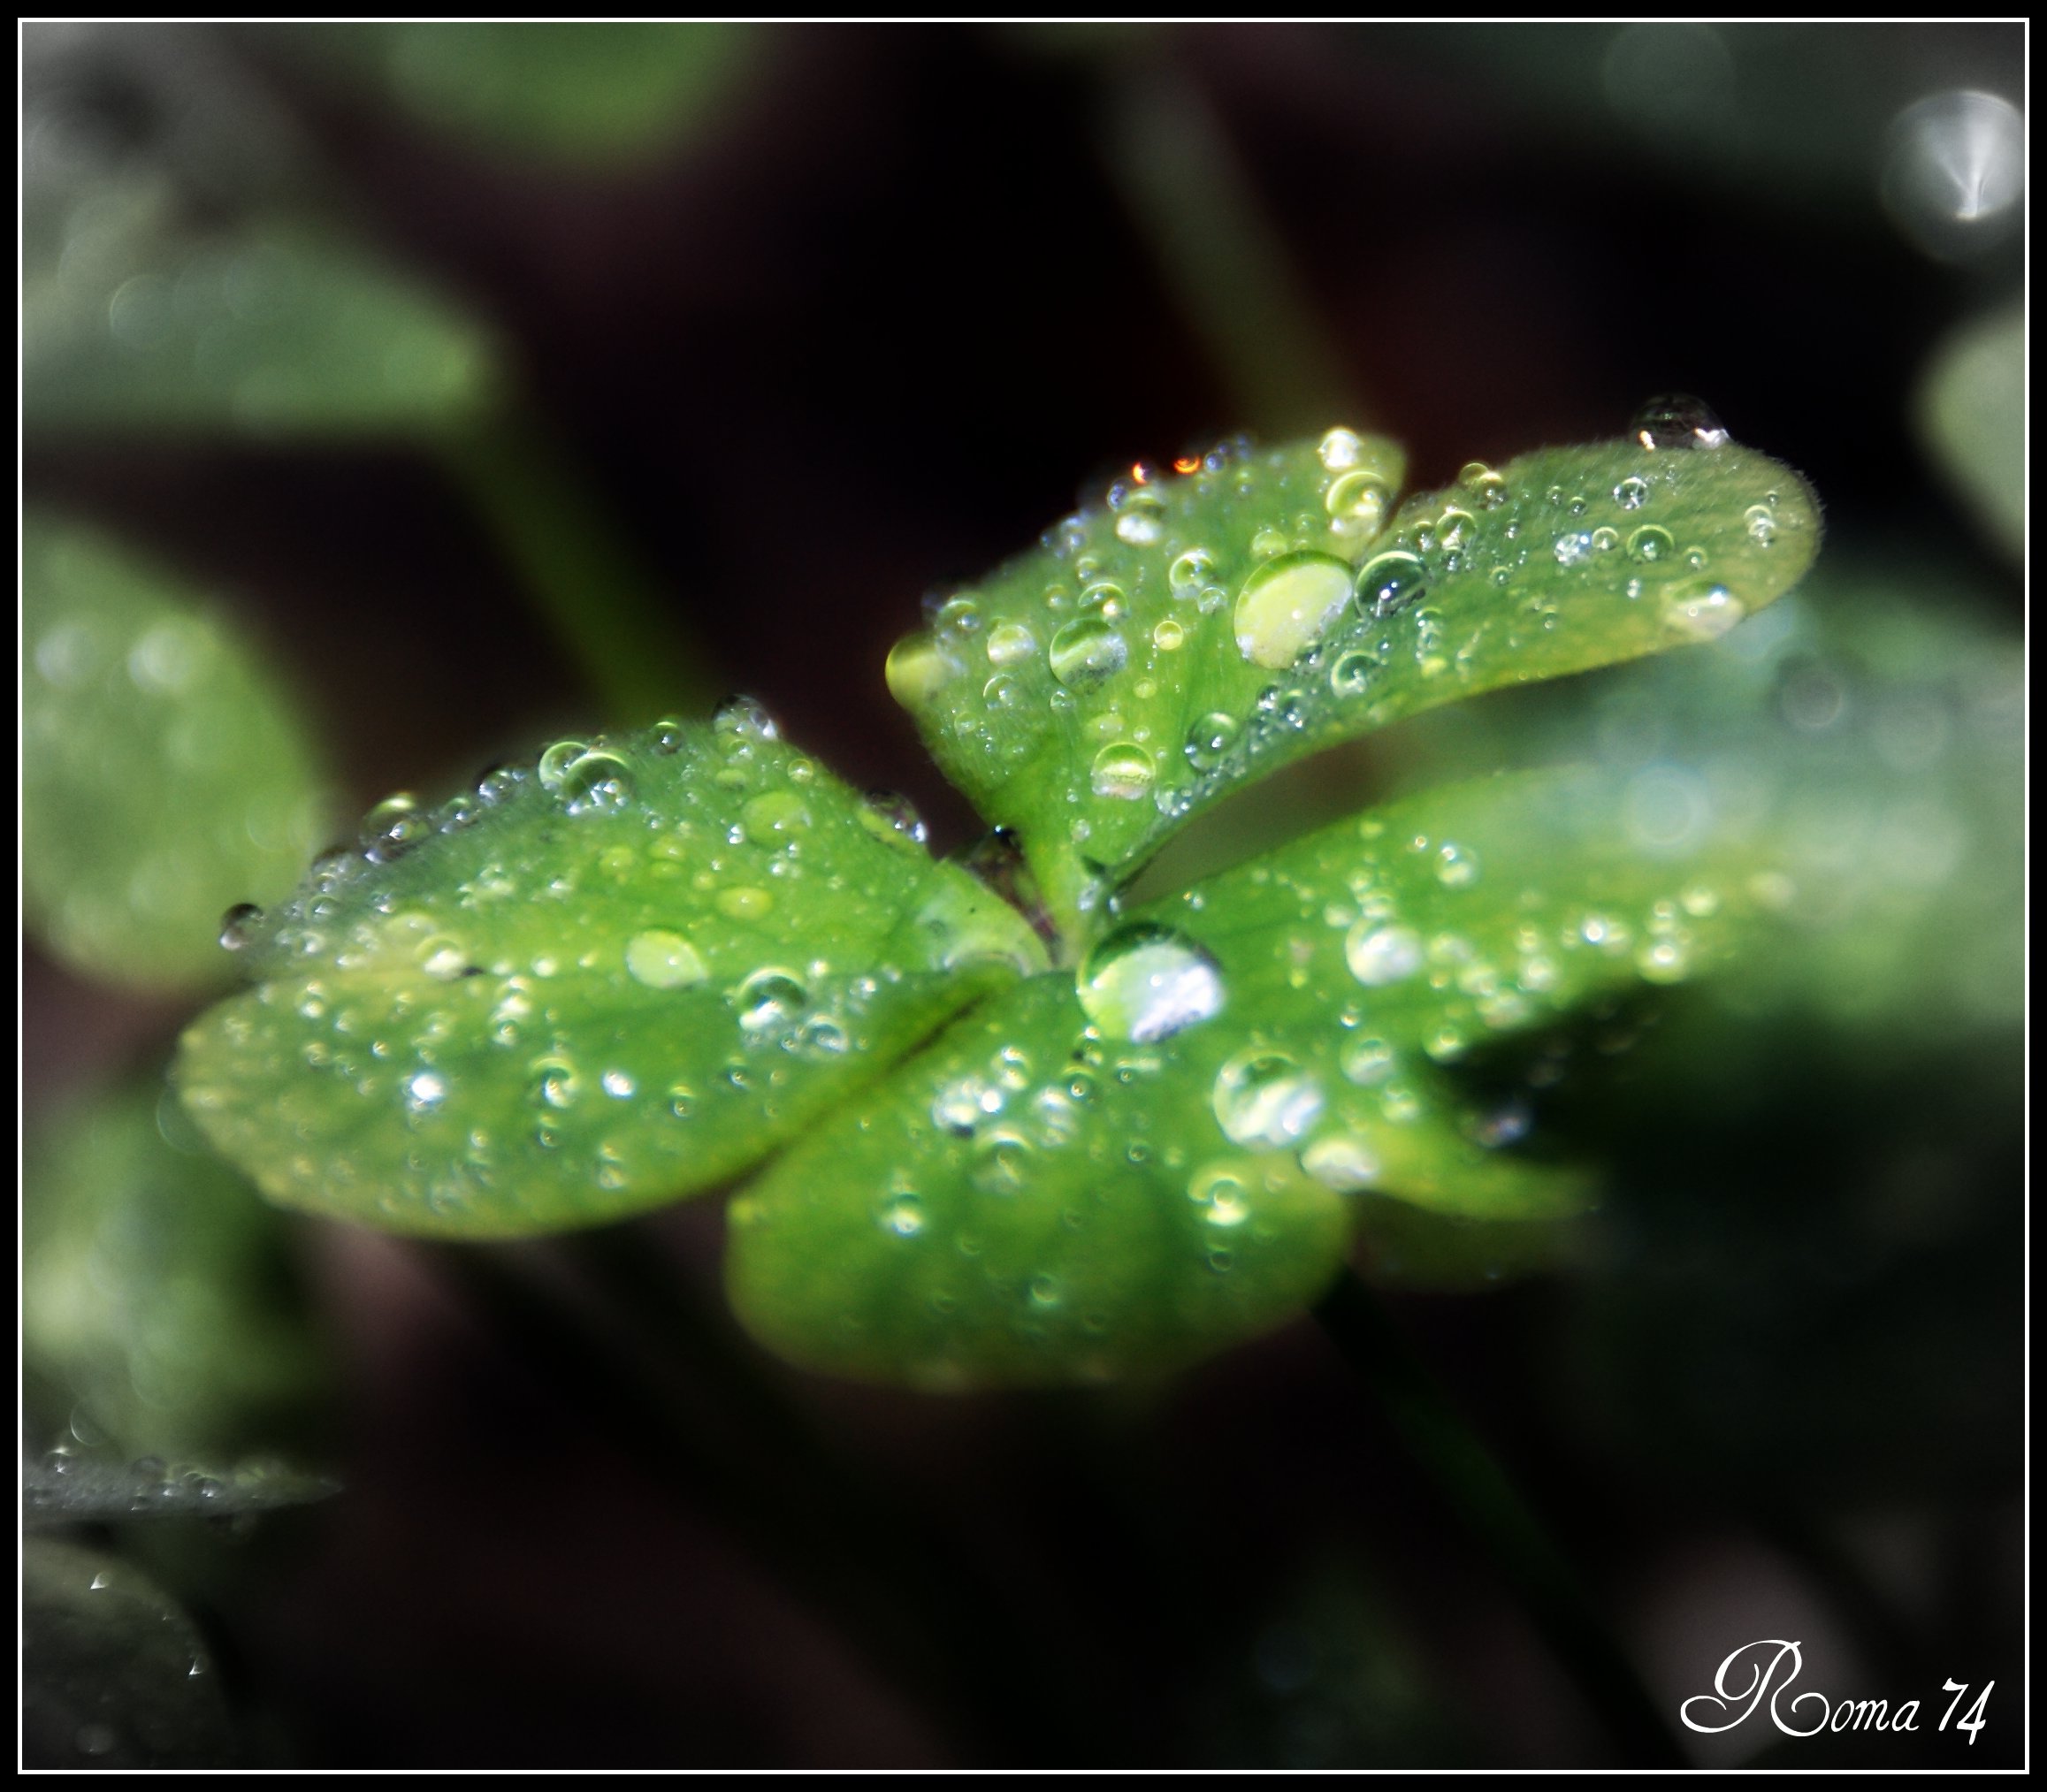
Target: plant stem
1224	263
1477	1489
627	641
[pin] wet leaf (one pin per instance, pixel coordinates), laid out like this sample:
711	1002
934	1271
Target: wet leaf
113	1673
69	1486
589	987
1972	412
275	329
1021	1205
583	92
160	1312
165	774
1198	630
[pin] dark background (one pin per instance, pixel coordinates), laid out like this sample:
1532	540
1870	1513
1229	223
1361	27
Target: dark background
868	331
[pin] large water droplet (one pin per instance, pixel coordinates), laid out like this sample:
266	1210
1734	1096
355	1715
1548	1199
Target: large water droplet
1123	771
1678	420
1341	449
1379	955
1264	1097
664	961
1701	609
1146	982
1357	504
1390	582
1287	605
1010	644
917	670
1086	652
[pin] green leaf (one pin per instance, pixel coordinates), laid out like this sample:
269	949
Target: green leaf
583	93
165	774
275	330
1013	1207
1195	632
588	987
159	1306
1123	1171
1972	412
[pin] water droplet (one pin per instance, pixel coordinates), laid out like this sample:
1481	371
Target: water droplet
1632	494
1190	572
1286	605
1168	636
556	1084
425	1092
892	819
1223	1191
1391	581
1145	982
1001	1164
769	999
1380	955
745	902
669	736
585	777
1762	523
1264	1097
742	722
1123	772
775	815
1353	673
1141	521
1357	504
1086	652
917	670
1366	1061
904	1216
394	828
1604	540
1209	740
1341	449
239	925
1456	866
1702	610
664	961
1651	543
1341	1163
1010	644
1573	547
1486	487
1678	420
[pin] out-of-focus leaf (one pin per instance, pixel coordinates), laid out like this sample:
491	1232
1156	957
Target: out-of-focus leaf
1196	631
582	92
67	1486
113	1674
589	987
1972	410
158	1300
274	329
164	775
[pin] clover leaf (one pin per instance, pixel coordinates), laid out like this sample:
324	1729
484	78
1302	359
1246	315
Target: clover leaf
648	964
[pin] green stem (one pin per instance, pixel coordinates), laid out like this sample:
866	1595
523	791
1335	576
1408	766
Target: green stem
626	638
1226	264
1478	1490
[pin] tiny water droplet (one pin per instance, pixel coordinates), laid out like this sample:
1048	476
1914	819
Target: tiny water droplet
1761	523
769	998
394	828
1353	673
1486	487
239	925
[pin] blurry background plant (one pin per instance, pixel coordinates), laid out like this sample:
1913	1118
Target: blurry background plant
397	395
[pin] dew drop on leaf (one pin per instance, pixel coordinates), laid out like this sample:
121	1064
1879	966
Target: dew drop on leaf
1678	420
1287	605
663	960
1123	770
1209	740
1380	955
1145	982
1391	581
1264	1097
1086	652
